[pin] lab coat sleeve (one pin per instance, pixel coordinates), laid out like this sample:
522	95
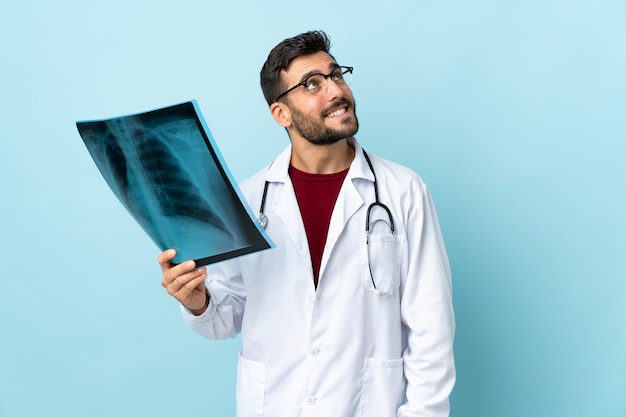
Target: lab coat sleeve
427	313
222	318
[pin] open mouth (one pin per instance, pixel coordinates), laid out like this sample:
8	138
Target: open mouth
337	112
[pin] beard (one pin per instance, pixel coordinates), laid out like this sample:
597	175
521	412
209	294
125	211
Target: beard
313	129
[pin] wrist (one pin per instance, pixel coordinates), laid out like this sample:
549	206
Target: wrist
198	312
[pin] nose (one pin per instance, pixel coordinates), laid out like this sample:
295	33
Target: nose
334	88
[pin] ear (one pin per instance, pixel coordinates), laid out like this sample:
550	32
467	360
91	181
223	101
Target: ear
281	113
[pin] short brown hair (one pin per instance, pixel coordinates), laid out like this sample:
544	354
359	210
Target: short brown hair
281	56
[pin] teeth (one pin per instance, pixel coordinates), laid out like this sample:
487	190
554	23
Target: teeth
337	112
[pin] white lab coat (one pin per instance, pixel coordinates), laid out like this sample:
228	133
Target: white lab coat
343	350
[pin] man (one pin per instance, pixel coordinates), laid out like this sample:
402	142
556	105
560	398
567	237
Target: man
336	321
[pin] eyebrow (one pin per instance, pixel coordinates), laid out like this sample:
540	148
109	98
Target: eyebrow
314	72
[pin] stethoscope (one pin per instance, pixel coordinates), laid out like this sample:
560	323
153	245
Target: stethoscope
368	225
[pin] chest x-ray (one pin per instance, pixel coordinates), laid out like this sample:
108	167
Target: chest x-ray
164	167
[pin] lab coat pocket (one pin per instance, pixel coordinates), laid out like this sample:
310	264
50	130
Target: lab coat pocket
381	260
383	387
250	388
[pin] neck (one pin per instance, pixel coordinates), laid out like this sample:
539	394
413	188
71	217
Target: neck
321	159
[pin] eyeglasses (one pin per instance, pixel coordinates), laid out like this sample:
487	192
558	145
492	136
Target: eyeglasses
314	83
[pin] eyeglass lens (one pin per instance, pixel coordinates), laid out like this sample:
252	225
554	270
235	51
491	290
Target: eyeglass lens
340	76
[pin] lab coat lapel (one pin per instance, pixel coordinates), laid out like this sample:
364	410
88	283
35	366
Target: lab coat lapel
348	202
284	205
288	211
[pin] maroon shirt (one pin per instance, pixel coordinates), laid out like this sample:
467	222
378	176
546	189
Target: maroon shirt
316	195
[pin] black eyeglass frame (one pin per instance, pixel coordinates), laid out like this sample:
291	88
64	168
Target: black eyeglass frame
303	83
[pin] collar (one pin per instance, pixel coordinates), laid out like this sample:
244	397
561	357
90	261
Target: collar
278	171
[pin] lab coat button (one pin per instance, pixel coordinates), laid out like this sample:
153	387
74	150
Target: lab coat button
314	351
311	400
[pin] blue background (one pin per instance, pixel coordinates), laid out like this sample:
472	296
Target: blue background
513	113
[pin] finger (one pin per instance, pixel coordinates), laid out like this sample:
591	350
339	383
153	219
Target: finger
165	257
180	275
194	295
181	269
183	286
192	285
170	271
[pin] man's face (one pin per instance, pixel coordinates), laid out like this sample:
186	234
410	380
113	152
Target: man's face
321	119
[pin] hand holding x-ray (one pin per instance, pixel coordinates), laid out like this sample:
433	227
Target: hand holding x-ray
184	282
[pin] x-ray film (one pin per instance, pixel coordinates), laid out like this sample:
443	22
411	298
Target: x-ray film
165	168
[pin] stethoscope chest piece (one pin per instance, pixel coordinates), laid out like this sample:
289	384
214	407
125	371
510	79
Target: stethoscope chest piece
263	220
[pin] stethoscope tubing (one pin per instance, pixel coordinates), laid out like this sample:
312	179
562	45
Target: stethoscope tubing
376	203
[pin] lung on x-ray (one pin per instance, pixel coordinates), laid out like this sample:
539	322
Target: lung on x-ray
165	168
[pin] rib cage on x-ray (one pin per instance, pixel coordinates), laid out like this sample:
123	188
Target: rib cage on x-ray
166	170
150	159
